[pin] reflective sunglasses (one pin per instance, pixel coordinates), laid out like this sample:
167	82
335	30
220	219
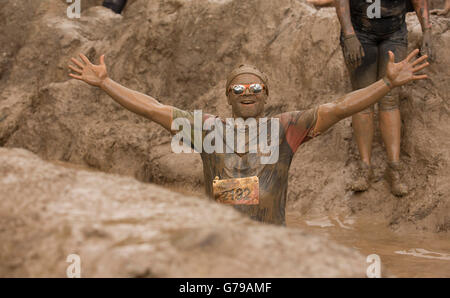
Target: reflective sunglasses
252	88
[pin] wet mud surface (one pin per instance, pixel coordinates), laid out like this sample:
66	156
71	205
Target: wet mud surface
401	255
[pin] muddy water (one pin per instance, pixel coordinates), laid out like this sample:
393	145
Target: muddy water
412	255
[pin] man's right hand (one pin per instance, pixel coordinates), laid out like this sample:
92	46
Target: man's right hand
353	51
92	74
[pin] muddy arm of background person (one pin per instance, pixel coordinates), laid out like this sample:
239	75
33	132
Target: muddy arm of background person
422	10
397	74
343	14
352	48
423	14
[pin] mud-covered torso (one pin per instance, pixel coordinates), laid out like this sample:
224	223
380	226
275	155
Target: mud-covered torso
293	129
273	178
391	17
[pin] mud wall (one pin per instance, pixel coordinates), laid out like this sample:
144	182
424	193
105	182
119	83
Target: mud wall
180	52
122	228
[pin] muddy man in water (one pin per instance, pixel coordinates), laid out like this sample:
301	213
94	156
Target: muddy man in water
368	33
247	92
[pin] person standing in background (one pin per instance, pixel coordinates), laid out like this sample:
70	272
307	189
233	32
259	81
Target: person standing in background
366	40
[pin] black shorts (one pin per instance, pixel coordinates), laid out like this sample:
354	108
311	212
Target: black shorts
115	5
373	66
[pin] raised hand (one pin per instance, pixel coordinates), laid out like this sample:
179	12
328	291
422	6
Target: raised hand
405	71
88	72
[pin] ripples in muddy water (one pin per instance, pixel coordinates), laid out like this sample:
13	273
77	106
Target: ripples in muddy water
411	255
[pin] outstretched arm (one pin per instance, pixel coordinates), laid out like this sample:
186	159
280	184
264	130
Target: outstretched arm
397	74
141	104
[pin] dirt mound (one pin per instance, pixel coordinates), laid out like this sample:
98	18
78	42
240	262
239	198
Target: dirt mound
180	53
123	228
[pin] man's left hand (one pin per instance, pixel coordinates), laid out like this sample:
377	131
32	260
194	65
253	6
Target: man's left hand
405	71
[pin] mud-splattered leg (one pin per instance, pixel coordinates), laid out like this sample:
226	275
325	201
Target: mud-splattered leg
362	123
390	120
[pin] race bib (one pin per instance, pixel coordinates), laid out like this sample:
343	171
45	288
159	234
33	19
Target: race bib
237	191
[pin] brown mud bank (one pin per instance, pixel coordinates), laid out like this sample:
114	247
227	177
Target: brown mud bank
180	52
120	227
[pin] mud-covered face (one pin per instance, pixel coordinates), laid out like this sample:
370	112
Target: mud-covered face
248	104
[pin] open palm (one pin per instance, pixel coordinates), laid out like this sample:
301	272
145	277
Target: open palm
88	72
405	71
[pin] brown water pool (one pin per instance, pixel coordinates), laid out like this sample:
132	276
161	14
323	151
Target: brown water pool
411	255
